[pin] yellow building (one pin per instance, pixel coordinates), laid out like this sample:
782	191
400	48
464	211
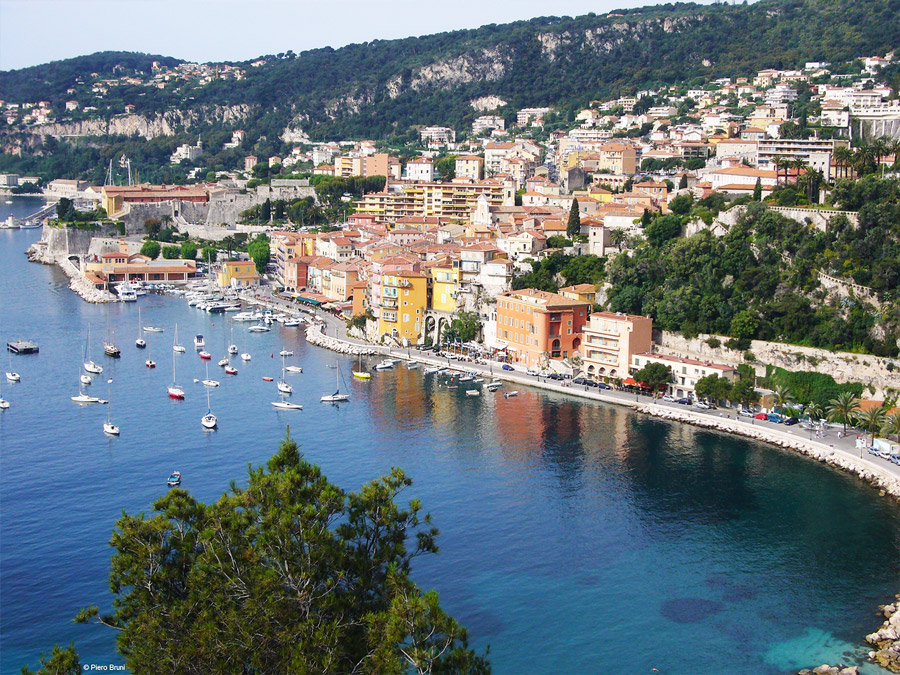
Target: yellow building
445	281
238	274
404	299
469	166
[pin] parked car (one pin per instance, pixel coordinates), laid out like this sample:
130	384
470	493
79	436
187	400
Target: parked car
702	405
790	421
506	366
555	376
746	413
774	417
603	385
669	398
532	371
683	401
760	416
579	380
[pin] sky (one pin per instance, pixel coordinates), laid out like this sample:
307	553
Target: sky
38	31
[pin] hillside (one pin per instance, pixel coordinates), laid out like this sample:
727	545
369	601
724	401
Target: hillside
381	89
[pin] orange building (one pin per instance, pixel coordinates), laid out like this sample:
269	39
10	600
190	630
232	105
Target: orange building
537	325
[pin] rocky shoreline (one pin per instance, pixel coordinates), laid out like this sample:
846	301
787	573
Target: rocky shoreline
315	336
887	638
38	253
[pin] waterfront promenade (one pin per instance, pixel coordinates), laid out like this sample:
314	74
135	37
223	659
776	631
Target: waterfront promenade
834	447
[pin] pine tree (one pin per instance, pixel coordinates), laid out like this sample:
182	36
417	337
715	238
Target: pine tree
757	191
573	227
682	184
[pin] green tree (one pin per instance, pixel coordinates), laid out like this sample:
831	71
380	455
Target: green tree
189	250
150	249
573	227
662	229
743	392
287	575
63	208
892	426
744	325
757	191
60	662
171	252
842	408
152	227
209	254
259	252
713	388
681	205
654	375
683	183
558	241
871	419
467	326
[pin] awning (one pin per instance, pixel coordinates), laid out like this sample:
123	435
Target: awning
629	381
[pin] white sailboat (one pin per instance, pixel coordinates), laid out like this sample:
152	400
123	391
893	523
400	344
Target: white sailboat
232	348
140	343
175	346
152	329
4	404
174	390
286	405
337	396
108	427
208	382
89	365
209	420
84	398
283	386
150	363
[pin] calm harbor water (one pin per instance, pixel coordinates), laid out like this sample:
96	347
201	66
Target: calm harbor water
575	537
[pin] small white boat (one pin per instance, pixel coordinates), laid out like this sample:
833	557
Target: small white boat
412	365
150	363
4	404
287	405
232	349
223	362
110	429
210	383
92	367
152	329
510	394
174	390
431	370
84	398
285	352
385	365
259	328
230	370
205	355
478	380
291	323
337	396
175	346
209	421
473	392
245	357
285	388
467	378
199	342
294	369
493	386
85	379
13	377
140	343
174	479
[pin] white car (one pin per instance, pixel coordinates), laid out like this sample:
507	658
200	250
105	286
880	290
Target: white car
669	398
702	405
532	371
746	413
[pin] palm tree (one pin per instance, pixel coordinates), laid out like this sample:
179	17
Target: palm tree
843	158
871	419
779	163
617	238
814	412
783	397
892	425
841	409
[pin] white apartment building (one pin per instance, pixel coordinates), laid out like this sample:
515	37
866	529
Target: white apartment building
437	135
685	372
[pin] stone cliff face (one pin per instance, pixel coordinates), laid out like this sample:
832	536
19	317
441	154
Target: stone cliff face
147	126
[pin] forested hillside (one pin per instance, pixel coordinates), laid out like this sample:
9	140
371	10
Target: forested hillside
381	89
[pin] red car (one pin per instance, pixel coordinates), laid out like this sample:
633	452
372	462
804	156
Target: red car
761	416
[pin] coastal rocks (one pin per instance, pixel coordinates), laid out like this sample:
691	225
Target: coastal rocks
825	669
39	252
315	336
887	639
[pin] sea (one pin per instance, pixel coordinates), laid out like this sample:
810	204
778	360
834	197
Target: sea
575	537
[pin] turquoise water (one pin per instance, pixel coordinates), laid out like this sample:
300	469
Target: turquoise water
575	537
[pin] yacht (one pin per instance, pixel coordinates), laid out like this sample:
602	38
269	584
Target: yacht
259	328
110	349
199	342
223	362
127	295
287	405
150	363
385	365
359	373
294	369
245	357
208	382
152	329
108	427
209	420
174	479
283	386
291	323
431	370
232	349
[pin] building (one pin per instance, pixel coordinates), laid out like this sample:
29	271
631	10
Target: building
469	166
249	162
685	372
581	292
815	152
445	281
402	306
453	200
420	169
537	326
238	274
113	198
120	266
527	116
611	341
437	135
487	123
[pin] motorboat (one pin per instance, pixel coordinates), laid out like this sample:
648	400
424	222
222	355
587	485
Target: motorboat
259	328
223	362
473	392
85	379
510	394
199	342
152	329
493	386
291	323
150	363
206	356
285	352
431	370
384	365
127	295
174	479
245	357
412	365
13	377
268	379
230	370
293	369
287	405
84	398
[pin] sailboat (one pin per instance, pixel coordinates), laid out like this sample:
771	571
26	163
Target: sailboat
174	390
209	420
208	382
286	405
359	373
84	398
109	345
140	343
12	375
150	363
232	348
108	427
175	346
337	396
89	365
283	386
4	404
